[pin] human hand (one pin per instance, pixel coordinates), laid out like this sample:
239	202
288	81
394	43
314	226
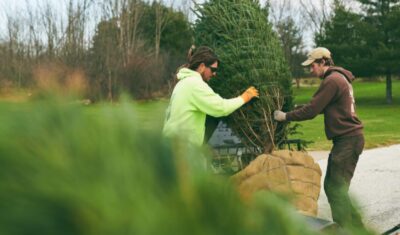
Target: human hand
249	94
279	116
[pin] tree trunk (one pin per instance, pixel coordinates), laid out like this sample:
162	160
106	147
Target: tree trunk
159	22
110	95
298	83
389	98
269	146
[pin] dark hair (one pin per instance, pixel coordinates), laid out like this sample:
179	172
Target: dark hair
328	61
203	54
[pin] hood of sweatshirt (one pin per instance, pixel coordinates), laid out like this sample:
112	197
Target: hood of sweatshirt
185	73
346	73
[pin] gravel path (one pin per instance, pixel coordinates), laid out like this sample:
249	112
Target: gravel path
375	187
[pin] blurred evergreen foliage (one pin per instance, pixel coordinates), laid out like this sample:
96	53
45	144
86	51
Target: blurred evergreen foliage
69	169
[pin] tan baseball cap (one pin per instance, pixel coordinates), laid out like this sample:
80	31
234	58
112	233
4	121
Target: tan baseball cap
317	53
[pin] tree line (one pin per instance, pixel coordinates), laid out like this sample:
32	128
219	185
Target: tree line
135	46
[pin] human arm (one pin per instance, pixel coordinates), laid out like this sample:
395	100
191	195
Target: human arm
324	95
320	100
209	102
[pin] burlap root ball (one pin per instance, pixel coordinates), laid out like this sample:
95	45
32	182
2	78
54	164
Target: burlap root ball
288	172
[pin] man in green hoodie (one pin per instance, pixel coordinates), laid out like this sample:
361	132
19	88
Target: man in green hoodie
192	98
335	99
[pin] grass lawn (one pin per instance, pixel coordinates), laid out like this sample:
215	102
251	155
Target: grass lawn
381	121
148	115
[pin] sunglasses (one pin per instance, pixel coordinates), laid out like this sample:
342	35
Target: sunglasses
213	69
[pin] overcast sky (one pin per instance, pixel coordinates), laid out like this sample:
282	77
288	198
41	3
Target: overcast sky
15	7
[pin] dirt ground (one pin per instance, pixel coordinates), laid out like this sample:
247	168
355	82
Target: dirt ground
375	187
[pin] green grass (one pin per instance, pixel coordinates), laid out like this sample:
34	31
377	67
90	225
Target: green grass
148	115
381	121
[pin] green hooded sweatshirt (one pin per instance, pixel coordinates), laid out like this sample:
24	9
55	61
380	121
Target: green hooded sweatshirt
191	100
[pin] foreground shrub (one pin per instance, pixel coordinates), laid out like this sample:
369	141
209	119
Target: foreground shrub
67	169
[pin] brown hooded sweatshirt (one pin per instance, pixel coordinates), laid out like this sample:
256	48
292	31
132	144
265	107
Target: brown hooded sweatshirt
335	99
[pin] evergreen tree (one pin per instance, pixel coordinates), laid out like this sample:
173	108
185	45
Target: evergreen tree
366	43
384	16
346	37
250	54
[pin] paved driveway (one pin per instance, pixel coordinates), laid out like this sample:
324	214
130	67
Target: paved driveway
375	187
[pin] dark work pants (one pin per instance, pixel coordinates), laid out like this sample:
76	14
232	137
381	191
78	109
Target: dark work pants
341	166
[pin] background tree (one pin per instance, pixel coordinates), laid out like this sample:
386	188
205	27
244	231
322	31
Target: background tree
384	16
127	55
48	21
15	59
118	55
293	47
250	54
285	17
162	17
367	43
346	36
74	44
315	14
176	35
105	57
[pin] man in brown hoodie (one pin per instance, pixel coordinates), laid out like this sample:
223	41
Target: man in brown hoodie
335	99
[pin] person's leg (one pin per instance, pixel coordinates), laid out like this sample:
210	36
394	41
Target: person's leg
358	148
335	190
341	165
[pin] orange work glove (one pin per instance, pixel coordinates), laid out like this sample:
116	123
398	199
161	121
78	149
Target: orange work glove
249	94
